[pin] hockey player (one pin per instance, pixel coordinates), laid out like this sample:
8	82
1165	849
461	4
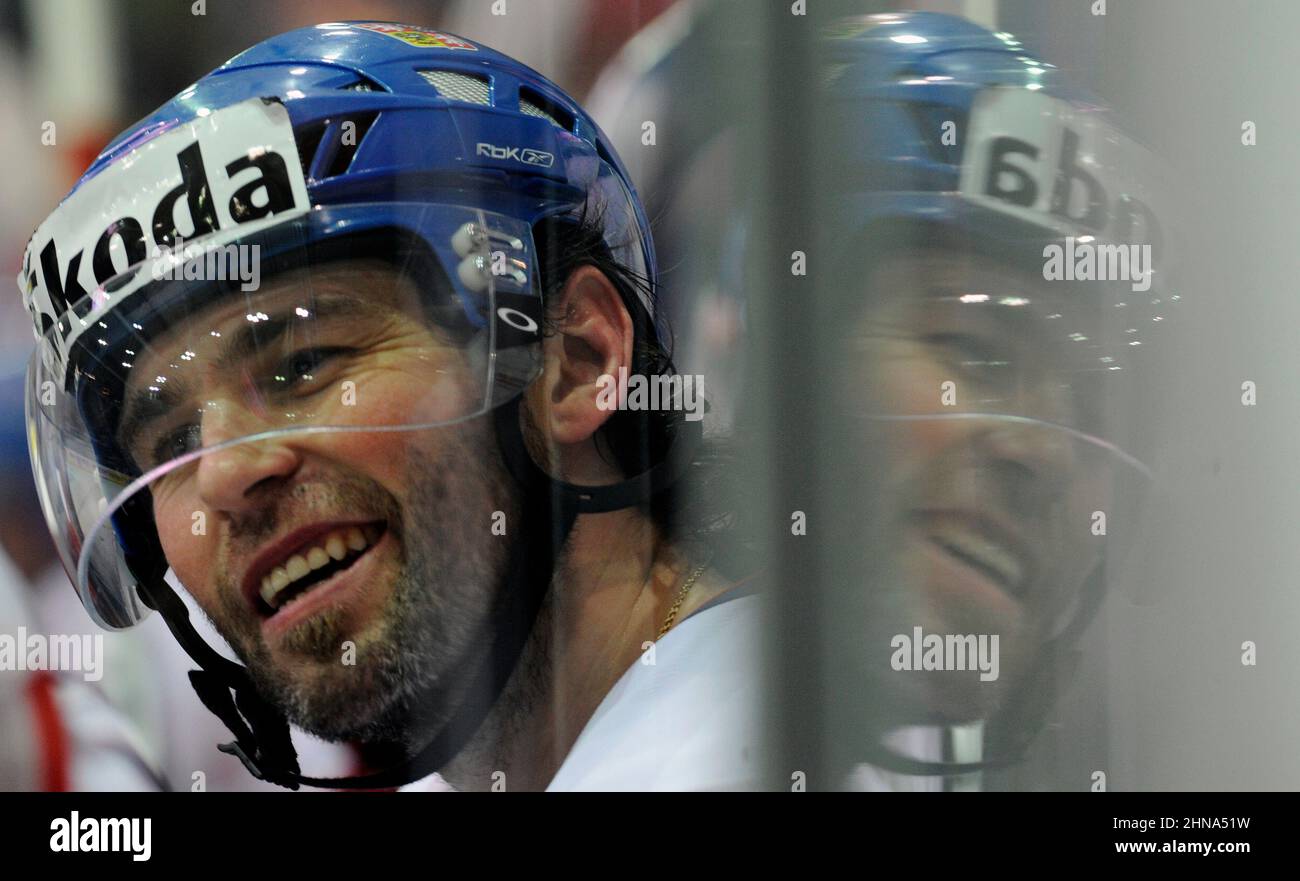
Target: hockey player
321	345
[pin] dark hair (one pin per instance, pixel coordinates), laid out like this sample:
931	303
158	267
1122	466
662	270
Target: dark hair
636	440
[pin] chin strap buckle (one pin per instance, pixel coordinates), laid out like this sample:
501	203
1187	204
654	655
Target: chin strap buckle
234	749
262	740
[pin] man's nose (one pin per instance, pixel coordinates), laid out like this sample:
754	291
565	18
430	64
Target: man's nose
1032	462
231	479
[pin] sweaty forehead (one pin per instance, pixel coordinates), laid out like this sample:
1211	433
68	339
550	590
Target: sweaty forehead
924	273
349	288
917	285
350	305
349	301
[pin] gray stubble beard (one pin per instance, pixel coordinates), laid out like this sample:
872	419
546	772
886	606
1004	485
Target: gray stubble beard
409	667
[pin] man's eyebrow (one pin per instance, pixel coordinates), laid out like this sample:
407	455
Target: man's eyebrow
260	330
1021	308
143	407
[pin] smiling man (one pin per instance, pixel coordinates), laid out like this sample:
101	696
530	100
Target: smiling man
1000	409
329	537
992	423
383	471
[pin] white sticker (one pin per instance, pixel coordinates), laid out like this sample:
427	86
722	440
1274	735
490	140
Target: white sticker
209	181
1058	164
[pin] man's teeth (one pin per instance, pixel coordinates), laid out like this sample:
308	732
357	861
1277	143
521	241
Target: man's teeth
1006	565
332	547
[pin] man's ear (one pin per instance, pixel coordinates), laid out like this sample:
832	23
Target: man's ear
584	357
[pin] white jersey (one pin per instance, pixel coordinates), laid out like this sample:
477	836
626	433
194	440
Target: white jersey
57	731
145	683
925	743
685	716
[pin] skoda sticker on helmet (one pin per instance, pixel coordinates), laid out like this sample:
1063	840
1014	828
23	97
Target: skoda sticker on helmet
1051	163
199	182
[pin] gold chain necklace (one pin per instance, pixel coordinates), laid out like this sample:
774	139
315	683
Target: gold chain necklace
677	603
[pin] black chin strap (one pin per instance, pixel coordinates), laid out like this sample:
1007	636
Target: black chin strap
262	740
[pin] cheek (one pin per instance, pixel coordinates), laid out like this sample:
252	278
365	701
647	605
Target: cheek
412	397
910	384
188	540
379	456
383	456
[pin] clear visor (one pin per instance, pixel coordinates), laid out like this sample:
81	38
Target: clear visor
1002	424
320	325
1009	401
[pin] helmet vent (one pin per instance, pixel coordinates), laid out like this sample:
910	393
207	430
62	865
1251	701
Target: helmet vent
308	138
363	85
534	104
456	86
347	146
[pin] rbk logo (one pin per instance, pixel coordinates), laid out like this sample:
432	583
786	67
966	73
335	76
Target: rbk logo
537	157
525	155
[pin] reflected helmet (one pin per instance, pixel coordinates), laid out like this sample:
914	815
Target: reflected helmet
960	138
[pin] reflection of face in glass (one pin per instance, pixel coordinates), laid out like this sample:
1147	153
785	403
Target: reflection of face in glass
314	542
979	374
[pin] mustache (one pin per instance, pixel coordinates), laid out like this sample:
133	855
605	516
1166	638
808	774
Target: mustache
1001	490
307	502
323	497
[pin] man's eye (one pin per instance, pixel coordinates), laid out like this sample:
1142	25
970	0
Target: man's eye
177	442
302	366
968	351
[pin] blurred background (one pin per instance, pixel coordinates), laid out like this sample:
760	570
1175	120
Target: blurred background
734	181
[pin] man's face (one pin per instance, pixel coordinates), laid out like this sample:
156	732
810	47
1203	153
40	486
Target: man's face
990	507
350	570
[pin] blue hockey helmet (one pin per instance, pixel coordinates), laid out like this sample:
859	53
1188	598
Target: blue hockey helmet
351	139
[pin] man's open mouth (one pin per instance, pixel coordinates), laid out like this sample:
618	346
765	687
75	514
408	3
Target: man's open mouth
312	562
984	546
992	561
